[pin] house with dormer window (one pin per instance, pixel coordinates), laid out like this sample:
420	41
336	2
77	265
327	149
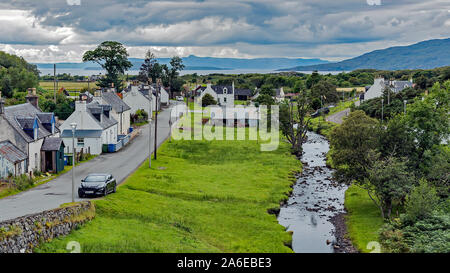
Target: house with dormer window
224	95
95	127
26	128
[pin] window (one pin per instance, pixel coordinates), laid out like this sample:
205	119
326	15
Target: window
80	142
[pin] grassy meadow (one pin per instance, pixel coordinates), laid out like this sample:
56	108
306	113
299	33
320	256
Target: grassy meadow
199	196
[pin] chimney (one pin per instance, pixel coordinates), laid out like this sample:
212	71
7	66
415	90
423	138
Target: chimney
2	104
80	106
32	98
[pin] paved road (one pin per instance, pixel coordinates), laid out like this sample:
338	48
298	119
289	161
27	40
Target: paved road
338	117
58	191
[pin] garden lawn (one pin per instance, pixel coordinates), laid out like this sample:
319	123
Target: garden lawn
363	220
199	196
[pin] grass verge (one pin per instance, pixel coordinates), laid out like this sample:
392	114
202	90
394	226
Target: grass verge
363	219
199	196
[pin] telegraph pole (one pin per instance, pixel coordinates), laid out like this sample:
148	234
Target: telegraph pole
150	113
54	83
156	119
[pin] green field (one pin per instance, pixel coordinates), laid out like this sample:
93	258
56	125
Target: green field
199	196
363	219
48	85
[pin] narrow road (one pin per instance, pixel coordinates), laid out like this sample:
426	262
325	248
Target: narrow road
59	191
338	117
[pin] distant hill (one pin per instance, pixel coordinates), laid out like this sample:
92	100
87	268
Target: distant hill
424	55
203	63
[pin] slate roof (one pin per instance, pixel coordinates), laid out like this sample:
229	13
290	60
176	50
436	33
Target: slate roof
45	118
26	123
82	133
400	85
23	112
243	92
11	152
219	89
52	144
116	102
104	122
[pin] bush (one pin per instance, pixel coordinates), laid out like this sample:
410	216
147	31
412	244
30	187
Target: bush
23	182
139	116
421	202
208	100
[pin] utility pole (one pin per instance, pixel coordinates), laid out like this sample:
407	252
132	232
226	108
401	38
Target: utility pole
150	113
156	118
382	110
74	128
54	83
404	106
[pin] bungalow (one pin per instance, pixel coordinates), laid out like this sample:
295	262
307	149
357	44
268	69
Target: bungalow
27	128
242	94
95	127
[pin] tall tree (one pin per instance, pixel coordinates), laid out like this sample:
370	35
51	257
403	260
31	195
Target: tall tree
150	69
353	143
113	57
294	122
171	74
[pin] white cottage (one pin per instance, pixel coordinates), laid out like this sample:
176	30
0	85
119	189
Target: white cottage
120	111
95	127
224	95
137	97
380	84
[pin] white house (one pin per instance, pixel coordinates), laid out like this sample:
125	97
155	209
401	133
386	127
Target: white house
26	127
380	84
279	95
163	95
95	127
137	97
121	111
224	95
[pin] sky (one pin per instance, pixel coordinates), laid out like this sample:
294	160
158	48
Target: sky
49	31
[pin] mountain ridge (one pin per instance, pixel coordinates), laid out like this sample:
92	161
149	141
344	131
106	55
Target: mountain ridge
423	55
199	63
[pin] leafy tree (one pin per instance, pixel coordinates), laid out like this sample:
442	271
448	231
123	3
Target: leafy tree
208	100
313	79
268	89
326	90
264	99
387	181
294	122
171	73
150	69
428	120
421	202
352	144
113	57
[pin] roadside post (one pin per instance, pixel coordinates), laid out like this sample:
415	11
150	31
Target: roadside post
74	128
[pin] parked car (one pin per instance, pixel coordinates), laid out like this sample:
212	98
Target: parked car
179	98
97	184
324	110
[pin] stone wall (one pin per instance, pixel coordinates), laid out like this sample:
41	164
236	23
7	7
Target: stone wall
22	234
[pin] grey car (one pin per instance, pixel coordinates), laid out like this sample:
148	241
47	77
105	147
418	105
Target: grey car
97	184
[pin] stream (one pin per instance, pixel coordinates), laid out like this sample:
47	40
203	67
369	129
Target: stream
314	200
